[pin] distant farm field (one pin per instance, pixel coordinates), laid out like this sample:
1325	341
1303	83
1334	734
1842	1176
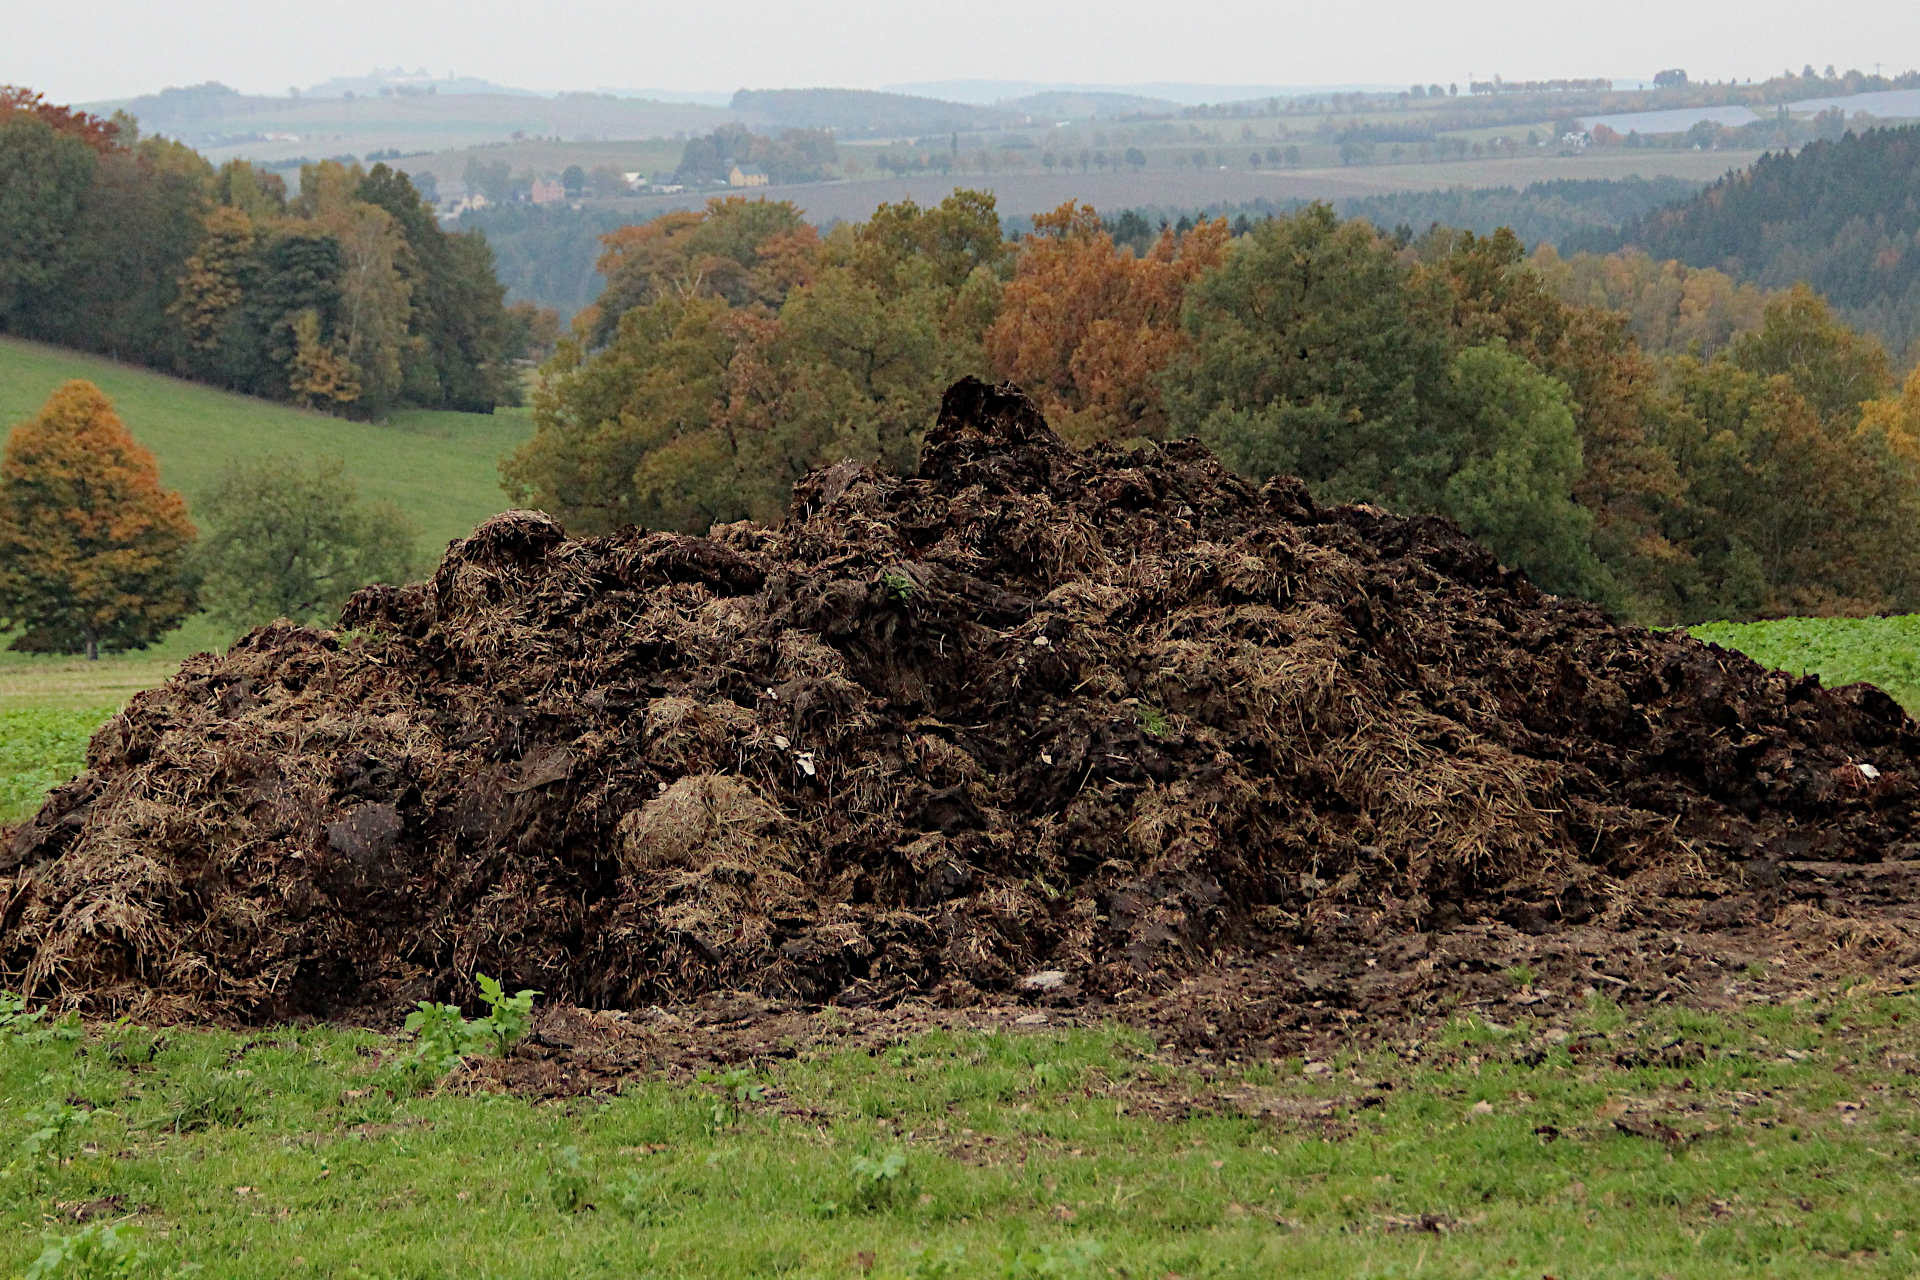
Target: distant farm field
441	468
1029	193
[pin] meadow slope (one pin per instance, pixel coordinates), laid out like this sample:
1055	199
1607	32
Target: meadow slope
441	468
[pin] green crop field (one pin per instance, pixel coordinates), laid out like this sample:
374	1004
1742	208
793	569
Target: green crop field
441	468
1882	651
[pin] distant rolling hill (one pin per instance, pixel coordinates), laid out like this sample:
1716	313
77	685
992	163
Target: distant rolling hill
222	123
866	112
441	468
1089	104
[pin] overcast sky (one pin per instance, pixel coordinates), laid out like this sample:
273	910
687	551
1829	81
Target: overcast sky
120	48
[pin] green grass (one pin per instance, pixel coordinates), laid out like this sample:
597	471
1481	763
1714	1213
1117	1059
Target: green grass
441	468
40	748
1882	651
1789	1150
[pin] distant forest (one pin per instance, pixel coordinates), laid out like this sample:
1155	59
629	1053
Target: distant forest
1542	213
546	254
1843	216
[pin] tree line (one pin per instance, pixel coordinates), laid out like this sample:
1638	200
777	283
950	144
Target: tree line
734	348
346	296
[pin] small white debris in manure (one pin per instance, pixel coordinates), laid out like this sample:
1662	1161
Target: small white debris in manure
1867	771
1044	980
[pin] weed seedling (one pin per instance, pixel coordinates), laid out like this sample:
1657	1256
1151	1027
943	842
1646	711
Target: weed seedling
56	1131
509	1017
877	1180
898	585
26	1026
567	1181
443	1037
1074	1258
15	1018
1521	975
99	1252
737	1087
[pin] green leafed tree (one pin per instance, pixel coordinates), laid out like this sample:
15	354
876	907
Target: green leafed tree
1517	463
47	177
1307	356
1834	368
291	538
1786	512
628	435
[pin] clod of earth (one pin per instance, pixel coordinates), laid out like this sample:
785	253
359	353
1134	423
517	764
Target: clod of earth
1029	724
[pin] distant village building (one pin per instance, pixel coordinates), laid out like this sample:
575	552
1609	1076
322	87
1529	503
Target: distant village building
547	191
452	206
739	177
634	181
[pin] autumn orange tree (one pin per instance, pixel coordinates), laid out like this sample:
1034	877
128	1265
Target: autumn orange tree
91	547
1088	328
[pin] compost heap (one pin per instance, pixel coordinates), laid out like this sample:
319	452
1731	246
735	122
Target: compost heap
1114	716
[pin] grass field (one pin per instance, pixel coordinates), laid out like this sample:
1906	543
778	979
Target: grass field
1775	1141
442	468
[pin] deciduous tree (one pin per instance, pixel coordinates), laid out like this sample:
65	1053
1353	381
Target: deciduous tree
1834	368
47	176
290	538
716	252
1088	329
1787	512
91	546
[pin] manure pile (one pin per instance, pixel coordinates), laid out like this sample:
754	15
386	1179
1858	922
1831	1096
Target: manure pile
1120	720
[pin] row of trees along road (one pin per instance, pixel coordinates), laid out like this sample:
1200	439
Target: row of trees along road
346	297
733	349
96	555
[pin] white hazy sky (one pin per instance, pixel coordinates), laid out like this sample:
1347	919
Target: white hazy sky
120	48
